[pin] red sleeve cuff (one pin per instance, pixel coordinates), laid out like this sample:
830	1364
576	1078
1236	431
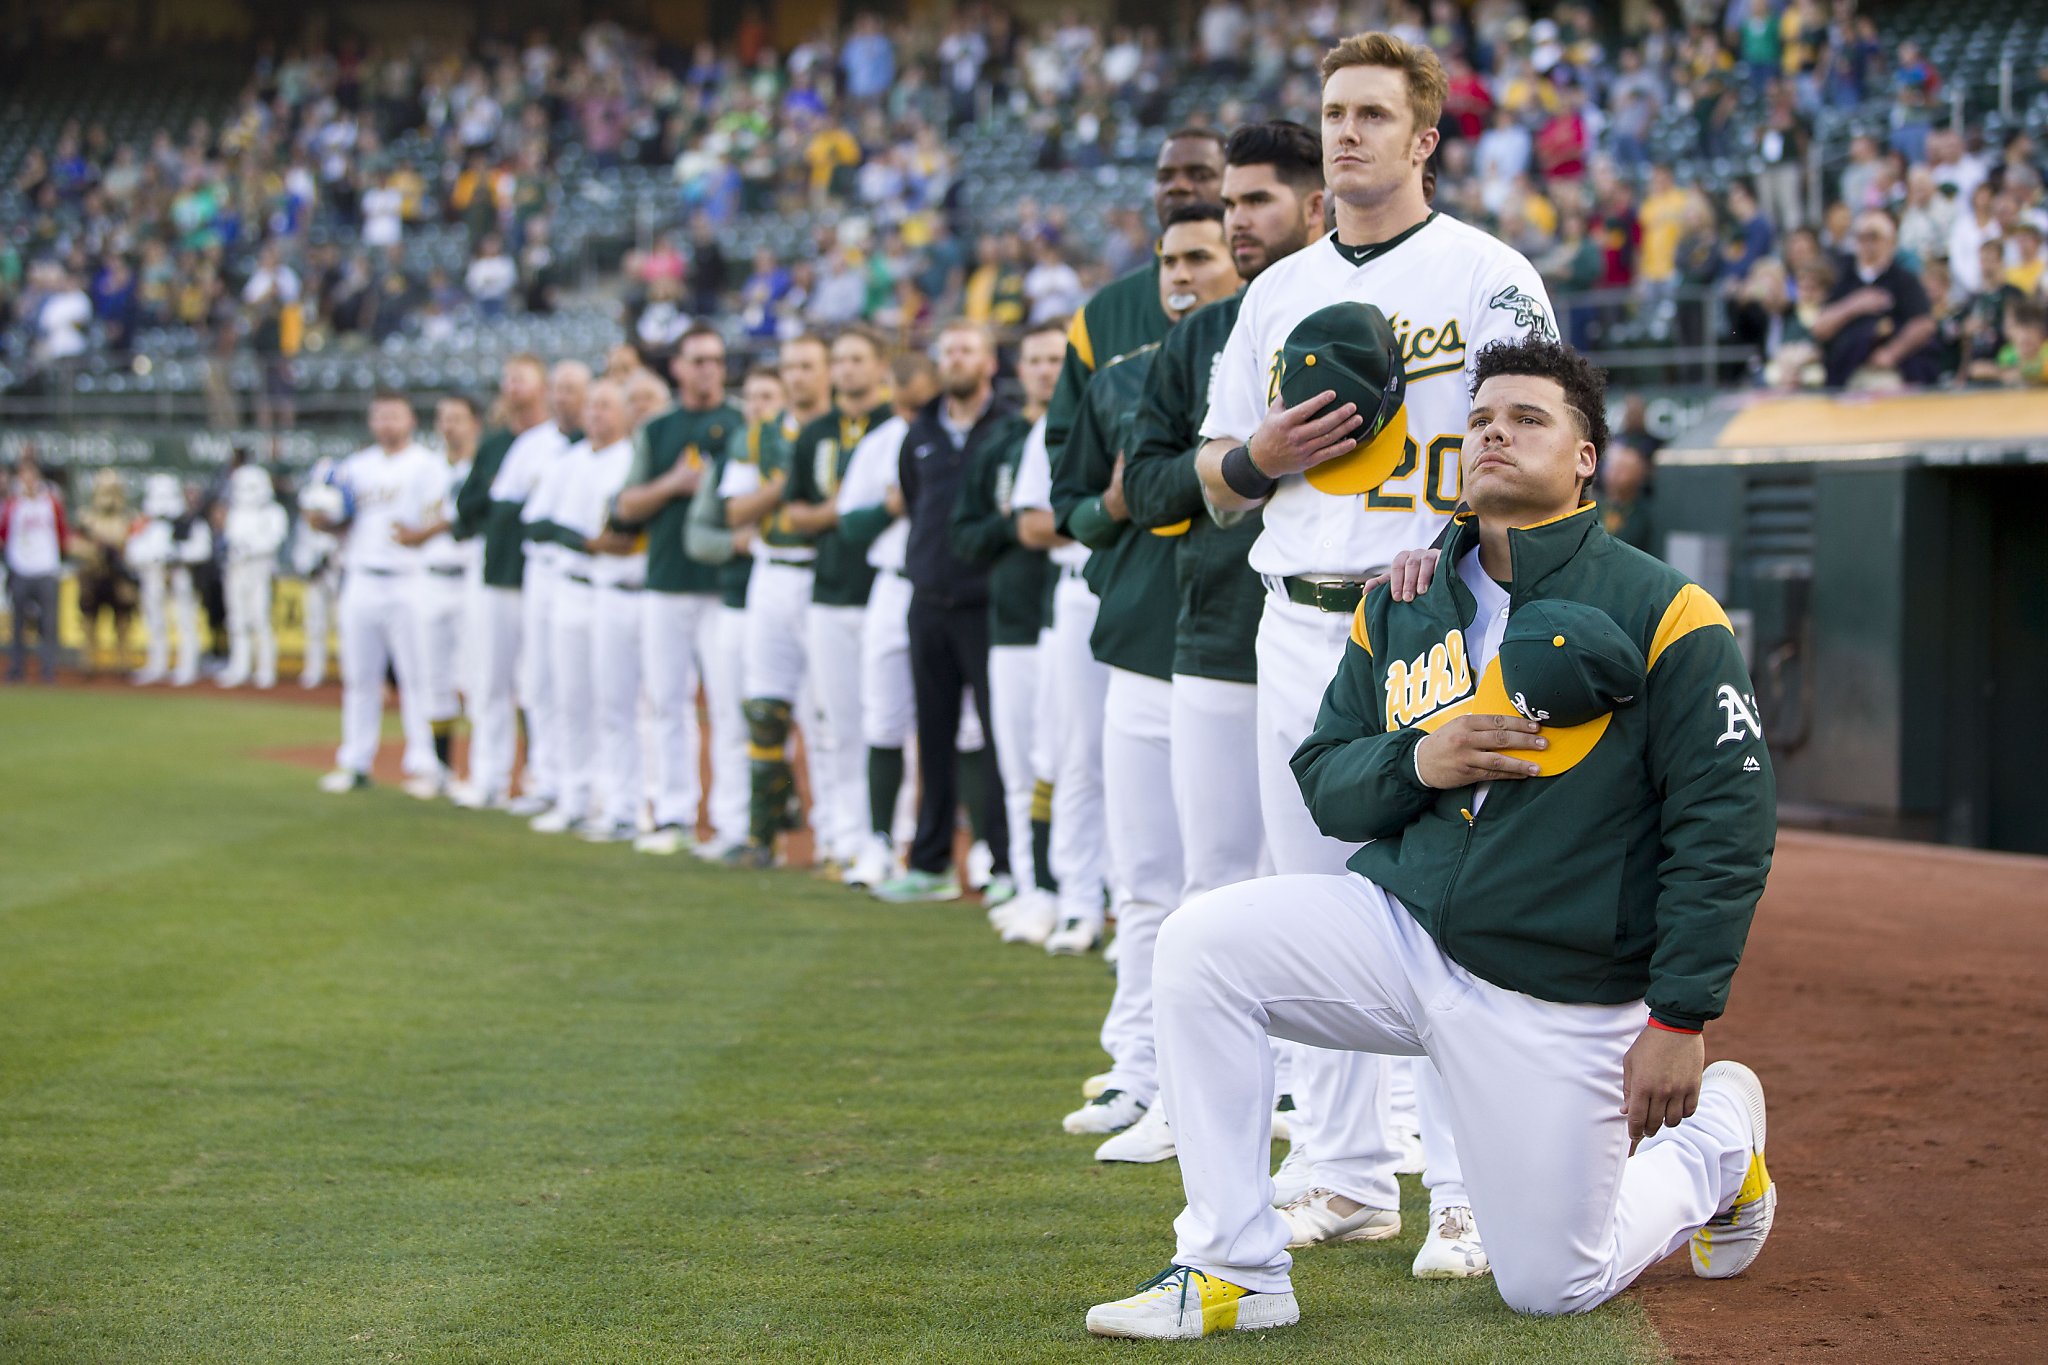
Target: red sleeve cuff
1673	1028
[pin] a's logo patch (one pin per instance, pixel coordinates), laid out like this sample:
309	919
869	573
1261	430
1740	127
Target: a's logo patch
1740	714
1530	315
1429	682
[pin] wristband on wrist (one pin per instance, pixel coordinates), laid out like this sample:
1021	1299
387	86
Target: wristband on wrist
1673	1028
1244	477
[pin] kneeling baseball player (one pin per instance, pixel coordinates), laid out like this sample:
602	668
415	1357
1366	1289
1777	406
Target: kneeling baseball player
1553	761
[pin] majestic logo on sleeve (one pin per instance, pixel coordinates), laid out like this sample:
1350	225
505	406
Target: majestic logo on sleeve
1740	714
1429	682
1529	312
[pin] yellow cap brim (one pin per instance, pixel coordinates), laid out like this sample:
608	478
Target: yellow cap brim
1368	464
1566	744
1178	528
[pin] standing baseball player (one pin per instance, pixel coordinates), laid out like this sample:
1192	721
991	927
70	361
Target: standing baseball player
568	386
1562	804
679	609
711	540
488	508
391	484
1132	575
1019	580
444	608
1444	290
255	531
871	520
1273	207
841	582
316	559
778	595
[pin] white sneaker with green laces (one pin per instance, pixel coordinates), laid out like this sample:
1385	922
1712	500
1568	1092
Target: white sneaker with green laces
1452	1250
1730	1241
1110	1112
915	887
1311	1220
1180	1304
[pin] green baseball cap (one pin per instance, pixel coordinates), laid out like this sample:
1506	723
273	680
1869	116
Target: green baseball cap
1566	666
1350	349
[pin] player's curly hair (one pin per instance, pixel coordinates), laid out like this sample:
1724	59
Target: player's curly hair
1584	384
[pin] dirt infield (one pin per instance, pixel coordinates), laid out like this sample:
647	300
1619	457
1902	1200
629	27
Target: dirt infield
1895	1001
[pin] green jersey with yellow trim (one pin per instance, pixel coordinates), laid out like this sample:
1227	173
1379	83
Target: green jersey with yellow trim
1131	570
1124	315
1633	874
1220	597
695	436
822	450
984	531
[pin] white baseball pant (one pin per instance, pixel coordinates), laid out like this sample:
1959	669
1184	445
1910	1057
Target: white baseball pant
252	643
572	693
778	601
1081	687
440	611
1215	749
1145	872
536	678
680	640
1013	707
494	728
316	610
725	703
888	706
377	632
1533	1091
185	613
1345	1118
836	750
615	678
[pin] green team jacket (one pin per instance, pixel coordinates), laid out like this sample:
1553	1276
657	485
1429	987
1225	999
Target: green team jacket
1633	874
1124	315
1220	597
497	522
818	463
707	539
678	434
984	531
1131	570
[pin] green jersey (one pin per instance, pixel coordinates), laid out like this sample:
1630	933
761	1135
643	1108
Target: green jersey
1124	315
984	531
694	436
1220	597
818	462
504	551
1131	570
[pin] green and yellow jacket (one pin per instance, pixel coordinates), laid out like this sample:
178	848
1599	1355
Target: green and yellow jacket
822	450
1220	597
1631	875
1124	315
1131	570
678	434
984	531
504	540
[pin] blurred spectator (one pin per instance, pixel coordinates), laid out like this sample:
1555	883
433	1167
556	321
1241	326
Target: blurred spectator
1052	287
35	540
1625	494
1877	327
270	301
62	317
2024	360
491	276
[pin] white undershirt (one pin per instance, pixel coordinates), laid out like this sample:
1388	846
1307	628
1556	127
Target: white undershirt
1483	636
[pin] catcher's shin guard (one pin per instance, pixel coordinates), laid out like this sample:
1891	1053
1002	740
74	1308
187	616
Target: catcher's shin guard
772	807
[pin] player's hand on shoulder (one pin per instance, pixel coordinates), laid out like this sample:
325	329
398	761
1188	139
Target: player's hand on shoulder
1409	576
1466	749
1660	1080
1290	440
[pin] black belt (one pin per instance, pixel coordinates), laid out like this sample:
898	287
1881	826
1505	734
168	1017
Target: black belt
582	578
378	573
444	571
1072	571
793	563
902	574
625	587
1325	594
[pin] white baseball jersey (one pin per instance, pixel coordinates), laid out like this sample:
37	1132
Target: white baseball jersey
1448	289
445	551
602	480
390	490
554	481
530	453
870	474
1032	488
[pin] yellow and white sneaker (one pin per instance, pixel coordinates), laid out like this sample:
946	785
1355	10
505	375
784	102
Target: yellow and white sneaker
1730	1241
1180	1304
1095	1085
1311	1220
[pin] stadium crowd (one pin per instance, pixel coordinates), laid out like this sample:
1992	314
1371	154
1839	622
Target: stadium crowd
1659	174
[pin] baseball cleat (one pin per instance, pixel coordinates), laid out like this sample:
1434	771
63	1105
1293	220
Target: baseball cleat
1074	938
915	887
1095	1085
750	857
1148	1140
1295	1177
145	677
662	841
1452	1250
1000	891
1410	1161
1030	919
553	820
1110	1112
341	780
1730	1241
981	866
714	851
1311	1220
1283	1119
604	832
526	807
875	865
425	787
1180	1304
830	870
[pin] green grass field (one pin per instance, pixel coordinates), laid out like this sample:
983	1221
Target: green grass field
291	1077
